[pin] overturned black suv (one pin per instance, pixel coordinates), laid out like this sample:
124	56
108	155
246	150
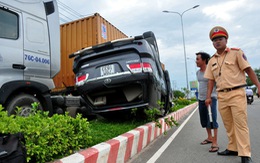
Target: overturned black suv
123	74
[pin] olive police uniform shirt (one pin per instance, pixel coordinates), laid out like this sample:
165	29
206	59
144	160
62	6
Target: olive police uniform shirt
227	69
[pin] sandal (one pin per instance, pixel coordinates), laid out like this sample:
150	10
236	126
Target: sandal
213	149
206	141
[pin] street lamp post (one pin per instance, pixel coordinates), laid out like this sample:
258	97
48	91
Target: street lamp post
184	49
195	68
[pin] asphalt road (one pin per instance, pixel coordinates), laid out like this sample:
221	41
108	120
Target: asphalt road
182	144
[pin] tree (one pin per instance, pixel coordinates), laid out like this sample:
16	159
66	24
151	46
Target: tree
248	80
177	94
186	91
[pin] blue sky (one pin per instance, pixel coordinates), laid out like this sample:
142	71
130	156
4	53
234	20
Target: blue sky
241	18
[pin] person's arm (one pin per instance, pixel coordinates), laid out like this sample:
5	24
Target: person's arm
209	91
251	74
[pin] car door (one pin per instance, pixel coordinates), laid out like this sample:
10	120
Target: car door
36	48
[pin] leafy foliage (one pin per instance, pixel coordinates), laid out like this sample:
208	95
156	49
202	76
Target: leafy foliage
181	101
152	115
170	121
178	94
186	92
248	81
48	138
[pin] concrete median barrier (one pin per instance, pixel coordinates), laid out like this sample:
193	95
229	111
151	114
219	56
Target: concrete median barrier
123	147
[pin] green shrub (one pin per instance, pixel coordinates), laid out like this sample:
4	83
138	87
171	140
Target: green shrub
178	94
181	101
48	138
193	99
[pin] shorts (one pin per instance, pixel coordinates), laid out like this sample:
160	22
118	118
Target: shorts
204	114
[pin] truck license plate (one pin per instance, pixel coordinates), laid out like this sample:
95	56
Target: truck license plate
107	70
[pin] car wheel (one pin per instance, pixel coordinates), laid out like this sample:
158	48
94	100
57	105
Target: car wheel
168	97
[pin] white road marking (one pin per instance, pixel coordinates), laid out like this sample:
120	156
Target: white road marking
168	142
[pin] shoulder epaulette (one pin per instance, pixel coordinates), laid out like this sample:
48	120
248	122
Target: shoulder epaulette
235	48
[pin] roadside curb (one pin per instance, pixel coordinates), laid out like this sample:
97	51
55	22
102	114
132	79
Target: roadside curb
122	148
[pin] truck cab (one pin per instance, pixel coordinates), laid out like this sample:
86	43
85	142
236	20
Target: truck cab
29	52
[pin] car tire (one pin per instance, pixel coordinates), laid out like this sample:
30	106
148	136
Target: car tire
168	102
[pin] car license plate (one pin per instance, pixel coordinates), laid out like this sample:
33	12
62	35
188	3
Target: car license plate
107	70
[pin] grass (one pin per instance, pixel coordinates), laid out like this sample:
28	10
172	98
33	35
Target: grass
103	130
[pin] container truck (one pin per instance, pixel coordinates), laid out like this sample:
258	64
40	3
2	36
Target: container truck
34	63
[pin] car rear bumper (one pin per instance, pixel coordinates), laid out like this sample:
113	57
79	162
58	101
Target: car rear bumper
118	92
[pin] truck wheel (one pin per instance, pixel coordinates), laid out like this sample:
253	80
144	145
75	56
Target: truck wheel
23	101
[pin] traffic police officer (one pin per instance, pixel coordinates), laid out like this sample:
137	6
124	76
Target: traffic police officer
227	68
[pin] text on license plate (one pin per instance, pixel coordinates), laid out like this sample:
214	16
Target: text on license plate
107	70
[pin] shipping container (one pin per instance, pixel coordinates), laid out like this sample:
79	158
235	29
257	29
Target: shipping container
80	34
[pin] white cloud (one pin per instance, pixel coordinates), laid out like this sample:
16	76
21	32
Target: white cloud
224	11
